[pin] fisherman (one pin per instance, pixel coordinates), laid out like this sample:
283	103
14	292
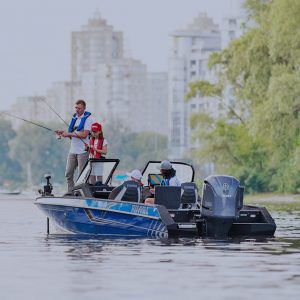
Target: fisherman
78	132
97	148
169	178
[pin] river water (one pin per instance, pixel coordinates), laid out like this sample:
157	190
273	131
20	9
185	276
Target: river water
36	266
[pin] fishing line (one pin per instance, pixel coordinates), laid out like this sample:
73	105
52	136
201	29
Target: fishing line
30	122
63	120
55	112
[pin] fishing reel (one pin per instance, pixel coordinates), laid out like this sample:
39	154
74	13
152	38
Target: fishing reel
48	187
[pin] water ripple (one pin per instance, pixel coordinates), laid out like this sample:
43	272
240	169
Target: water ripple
76	267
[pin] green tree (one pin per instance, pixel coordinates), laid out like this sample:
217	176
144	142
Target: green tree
10	170
134	149
144	146
41	150
257	137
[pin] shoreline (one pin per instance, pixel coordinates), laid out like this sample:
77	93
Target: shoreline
272	198
275	202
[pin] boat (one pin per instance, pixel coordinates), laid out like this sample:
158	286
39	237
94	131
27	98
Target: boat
106	210
9	192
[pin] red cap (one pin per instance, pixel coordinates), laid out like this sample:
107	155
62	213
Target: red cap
96	127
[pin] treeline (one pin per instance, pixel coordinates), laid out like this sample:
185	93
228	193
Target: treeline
30	152
257	136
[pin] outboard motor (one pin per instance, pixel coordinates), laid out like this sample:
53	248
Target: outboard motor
220	205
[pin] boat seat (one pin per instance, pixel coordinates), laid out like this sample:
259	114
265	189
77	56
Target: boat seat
189	195
168	196
128	191
82	190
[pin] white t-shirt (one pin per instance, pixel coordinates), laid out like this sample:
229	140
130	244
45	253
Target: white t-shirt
174	181
77	144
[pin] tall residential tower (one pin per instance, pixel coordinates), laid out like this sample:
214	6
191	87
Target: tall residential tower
95	43
190	51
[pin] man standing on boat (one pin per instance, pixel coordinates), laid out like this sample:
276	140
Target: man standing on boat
78	132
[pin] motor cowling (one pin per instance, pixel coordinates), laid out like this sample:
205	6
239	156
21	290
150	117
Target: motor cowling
221	203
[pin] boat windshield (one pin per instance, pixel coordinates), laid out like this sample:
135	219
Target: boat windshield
184	172
98	167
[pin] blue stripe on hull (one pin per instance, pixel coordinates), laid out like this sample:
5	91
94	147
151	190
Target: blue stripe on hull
99	222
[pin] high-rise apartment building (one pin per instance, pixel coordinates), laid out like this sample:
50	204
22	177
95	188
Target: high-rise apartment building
61	96
95	43
116	87
233	23
233	26
190	51
120	90
156	116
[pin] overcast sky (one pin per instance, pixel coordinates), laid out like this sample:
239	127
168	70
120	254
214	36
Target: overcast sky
35	35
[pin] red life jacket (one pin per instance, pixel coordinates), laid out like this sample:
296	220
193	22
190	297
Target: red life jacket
99	147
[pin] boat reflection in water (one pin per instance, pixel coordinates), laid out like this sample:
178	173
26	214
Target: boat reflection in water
101	209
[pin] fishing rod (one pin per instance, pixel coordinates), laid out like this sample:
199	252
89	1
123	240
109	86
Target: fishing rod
30	122
55	112
63	120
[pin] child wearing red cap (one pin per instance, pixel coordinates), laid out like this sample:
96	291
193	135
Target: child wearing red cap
97	149
98	144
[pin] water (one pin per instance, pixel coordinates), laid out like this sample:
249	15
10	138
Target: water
34	266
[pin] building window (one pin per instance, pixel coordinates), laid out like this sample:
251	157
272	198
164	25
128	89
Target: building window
115	46
232	21
231	35
200	66
201	106
194	41
193	73
193	62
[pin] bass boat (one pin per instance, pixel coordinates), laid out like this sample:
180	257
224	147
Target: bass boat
106	210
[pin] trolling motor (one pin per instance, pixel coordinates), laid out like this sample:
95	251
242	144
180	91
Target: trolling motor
48	187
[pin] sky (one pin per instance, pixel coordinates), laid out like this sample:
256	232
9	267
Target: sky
35	36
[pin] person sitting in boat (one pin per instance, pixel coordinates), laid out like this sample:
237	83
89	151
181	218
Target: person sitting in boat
97	148
169	174
136	175
119	193
169	178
